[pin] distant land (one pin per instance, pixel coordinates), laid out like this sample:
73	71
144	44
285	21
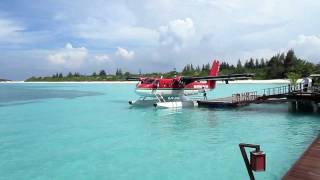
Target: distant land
4	80
280	66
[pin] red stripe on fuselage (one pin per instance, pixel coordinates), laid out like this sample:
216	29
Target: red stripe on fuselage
171	83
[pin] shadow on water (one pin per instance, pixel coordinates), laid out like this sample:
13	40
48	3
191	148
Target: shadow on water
119	102
14	94
277	108
303	114
259	108
266	108
17	103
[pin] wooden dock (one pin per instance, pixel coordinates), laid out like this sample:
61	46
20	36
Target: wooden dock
229	102
308	166
270	95
226	102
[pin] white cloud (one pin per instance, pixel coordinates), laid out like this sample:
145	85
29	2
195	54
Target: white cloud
11	31
256	53
14	33
99	29
177	32
179	28
307	47
164	31
8	28
124	53
103	58
69	57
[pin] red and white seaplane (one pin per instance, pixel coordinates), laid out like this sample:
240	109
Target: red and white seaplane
173	92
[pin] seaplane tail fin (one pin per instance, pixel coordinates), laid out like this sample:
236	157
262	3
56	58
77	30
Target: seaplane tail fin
213	72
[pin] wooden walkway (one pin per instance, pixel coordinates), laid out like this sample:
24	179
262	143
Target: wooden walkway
231	102
226	102
270	95
308	166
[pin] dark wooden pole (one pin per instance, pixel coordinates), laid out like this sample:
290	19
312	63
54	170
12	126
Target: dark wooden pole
242	147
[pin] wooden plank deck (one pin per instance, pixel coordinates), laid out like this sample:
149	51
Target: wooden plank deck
308	165
225	102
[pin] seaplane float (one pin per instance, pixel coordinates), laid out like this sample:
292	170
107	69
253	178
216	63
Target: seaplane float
172	92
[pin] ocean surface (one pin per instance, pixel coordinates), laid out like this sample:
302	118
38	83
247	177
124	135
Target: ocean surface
88	131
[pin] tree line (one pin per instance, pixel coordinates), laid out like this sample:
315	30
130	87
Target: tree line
278	66
95	76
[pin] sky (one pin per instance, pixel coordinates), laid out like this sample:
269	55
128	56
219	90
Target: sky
42	37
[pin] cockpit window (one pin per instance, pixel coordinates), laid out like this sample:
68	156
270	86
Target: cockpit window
147	81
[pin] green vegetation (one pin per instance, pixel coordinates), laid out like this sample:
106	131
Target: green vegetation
278	67
284	65
293	77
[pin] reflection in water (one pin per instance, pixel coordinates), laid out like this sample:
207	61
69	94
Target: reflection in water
180	121
264	108
167	112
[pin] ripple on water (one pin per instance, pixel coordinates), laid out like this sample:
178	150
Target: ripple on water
88	131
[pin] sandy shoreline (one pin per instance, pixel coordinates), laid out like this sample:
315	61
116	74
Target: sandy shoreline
271	81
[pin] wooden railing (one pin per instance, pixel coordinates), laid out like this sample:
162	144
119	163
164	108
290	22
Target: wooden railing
301	88
275	92
245	97
315	89
283	90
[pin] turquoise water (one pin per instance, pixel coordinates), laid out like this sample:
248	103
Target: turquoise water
88	131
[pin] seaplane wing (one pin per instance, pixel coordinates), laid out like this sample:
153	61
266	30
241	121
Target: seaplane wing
230	77
133	78
172	92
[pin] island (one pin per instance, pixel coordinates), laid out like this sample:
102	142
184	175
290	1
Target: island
279	66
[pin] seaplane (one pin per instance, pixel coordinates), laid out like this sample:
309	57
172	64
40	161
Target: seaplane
172	92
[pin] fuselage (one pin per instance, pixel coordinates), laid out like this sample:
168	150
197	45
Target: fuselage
170	87
176	86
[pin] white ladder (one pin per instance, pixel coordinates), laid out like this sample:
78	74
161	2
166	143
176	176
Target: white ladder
159	97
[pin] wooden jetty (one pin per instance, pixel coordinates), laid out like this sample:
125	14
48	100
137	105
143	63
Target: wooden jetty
298	96
236	100
308	166
226	102
240	99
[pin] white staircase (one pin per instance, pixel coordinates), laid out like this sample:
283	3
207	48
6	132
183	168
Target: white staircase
159	97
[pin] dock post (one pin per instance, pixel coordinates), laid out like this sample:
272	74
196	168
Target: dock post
315	106
292	106
257	159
